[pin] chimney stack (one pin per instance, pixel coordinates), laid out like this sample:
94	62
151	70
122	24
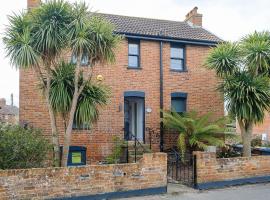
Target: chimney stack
11	99
194	17
33	3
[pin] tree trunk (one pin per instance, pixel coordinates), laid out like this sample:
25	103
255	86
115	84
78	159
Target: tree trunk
246	133
55	138
68	132
54	132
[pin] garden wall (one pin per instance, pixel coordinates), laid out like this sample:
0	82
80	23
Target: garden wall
148	176
215	172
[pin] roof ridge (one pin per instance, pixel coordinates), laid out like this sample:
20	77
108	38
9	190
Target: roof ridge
149	18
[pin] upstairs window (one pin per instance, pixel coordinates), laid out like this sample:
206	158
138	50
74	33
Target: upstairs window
179	102
84	60
77	126
133	54
177	57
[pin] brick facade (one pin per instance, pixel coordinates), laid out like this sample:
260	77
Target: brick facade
148	174
198	82
214	172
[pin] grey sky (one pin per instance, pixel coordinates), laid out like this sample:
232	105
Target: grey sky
228	19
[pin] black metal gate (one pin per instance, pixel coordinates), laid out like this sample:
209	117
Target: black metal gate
181	170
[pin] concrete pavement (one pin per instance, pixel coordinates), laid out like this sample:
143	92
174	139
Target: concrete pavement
246	192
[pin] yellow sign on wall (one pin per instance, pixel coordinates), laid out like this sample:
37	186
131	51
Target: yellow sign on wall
76	157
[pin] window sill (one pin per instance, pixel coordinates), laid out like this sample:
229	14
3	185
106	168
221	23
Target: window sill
136	68
179	71
79	129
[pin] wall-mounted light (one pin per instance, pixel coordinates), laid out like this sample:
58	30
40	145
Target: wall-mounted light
148	110
100	77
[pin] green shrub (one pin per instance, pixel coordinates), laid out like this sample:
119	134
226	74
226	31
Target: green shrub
256	142
228	152
22	148
117	151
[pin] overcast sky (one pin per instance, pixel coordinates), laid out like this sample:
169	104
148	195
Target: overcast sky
228	19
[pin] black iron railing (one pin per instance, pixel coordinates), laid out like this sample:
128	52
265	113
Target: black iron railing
136	144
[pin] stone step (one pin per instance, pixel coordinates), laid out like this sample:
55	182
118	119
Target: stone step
131	158
139	151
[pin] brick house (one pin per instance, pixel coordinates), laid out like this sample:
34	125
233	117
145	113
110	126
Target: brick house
8	113
159	65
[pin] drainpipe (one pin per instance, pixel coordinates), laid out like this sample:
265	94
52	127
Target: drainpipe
161	95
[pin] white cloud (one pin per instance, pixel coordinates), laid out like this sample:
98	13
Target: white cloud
229	19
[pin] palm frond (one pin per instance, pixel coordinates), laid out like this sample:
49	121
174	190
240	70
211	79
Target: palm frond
19	43
195	131
224	59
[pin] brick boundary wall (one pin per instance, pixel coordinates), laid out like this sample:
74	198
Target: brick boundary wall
148	176
215	172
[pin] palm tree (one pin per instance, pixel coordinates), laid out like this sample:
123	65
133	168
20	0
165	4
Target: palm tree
92	39
195	132
40	38
244	67
34	40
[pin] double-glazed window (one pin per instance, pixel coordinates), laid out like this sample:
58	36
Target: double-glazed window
84	59
179	102
133	54
177	57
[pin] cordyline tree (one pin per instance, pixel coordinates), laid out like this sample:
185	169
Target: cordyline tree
39	39
244	67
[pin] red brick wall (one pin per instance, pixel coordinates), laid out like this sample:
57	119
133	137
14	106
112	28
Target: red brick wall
211	169
47	183
198	82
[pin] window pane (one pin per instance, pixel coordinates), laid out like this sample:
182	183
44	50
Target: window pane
133	61
73	59
84	60
177	52
179	104
133	49
177	64
76	157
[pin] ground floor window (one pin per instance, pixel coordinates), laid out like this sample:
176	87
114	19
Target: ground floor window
179	102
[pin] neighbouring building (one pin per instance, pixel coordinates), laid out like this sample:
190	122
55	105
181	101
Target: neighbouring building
159	65
8	113
261	130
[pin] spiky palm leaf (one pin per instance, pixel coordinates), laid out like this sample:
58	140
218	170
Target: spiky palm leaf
247	96
50	28
92	36
256	51
195	132
19	43
224	59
